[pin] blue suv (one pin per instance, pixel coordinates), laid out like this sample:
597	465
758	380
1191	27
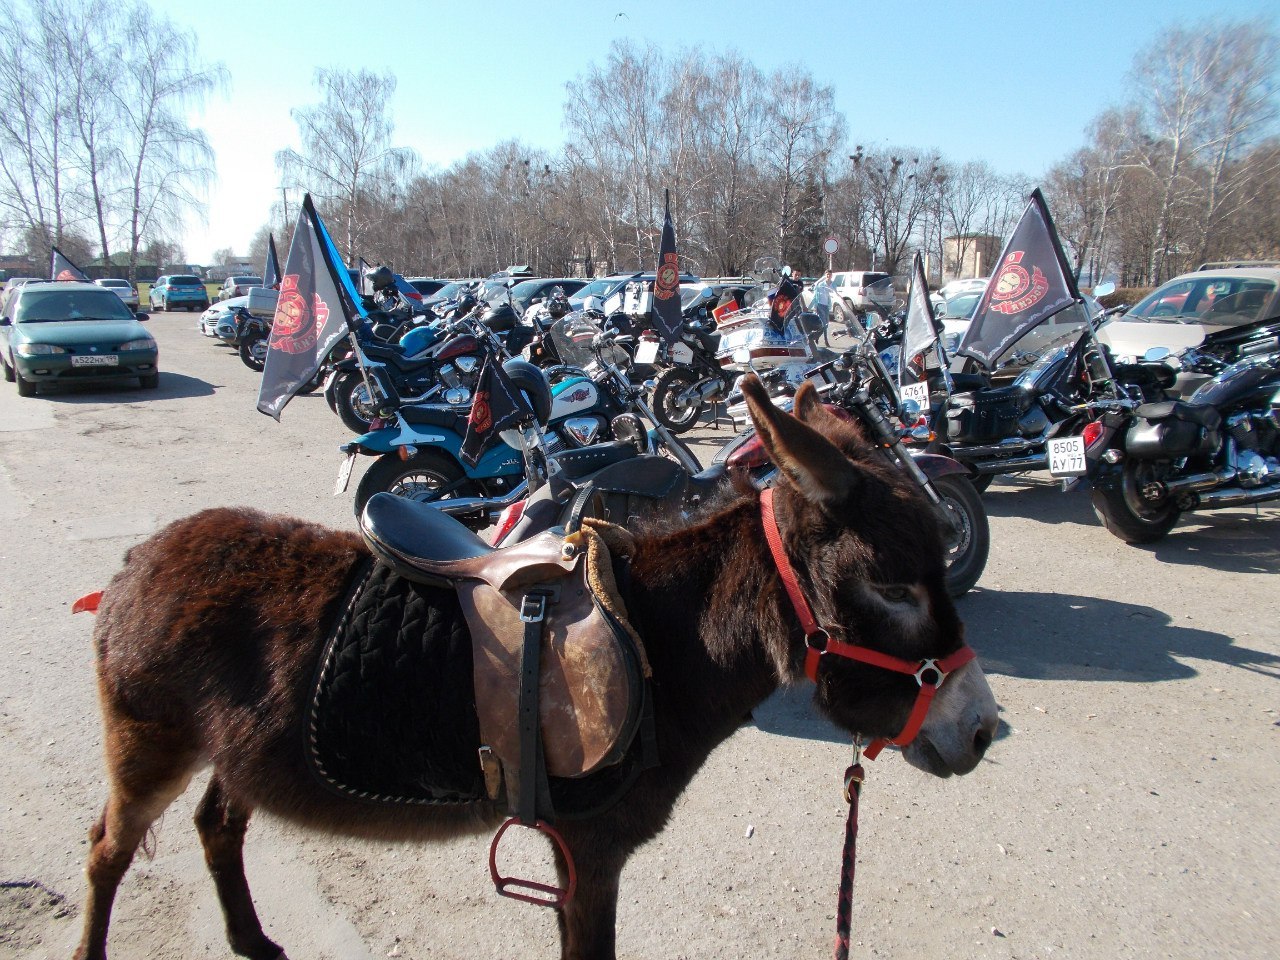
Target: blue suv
179	290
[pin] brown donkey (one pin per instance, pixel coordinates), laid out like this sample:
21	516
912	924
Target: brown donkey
204	661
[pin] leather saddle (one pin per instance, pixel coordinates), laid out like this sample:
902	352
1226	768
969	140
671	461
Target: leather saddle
550	640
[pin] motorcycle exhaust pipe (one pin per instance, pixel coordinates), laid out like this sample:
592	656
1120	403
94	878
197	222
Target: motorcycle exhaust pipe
1037	461
1214	499
462	506
1200	481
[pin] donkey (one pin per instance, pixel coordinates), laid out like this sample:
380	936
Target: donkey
199	665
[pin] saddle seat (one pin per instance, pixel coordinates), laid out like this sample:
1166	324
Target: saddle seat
562	587
1204	415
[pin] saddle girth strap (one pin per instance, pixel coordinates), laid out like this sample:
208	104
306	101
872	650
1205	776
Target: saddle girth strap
534	798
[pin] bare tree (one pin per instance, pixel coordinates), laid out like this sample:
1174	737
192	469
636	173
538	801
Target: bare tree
346	152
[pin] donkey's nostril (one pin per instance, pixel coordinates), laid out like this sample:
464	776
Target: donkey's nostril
981	740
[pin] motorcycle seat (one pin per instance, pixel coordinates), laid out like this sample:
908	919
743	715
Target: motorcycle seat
449	418
1205	416
966	382
576	464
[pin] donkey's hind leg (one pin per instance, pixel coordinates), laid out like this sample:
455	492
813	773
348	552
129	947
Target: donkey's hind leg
222	823
146	773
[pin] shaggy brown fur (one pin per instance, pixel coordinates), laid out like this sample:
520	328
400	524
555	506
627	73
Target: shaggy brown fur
208	641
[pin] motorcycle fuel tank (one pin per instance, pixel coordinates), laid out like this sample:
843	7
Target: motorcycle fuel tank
572	396
1250	382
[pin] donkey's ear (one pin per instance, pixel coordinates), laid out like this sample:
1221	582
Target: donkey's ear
807	402
813	464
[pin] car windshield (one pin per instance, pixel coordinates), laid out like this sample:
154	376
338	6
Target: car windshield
51	306
114	283
526	290
445	292
246	281
962	305
599	287
1222	301
185	282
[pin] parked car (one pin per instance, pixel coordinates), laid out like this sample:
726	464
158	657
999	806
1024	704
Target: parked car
219	313
123	289
527	291
237	286
852	287
180	290
74	333
605	287
425	285
953	288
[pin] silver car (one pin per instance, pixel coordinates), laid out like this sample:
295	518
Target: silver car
123	289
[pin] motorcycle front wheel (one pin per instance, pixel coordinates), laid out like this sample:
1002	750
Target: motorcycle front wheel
352	398
1126	513
253	352
421	478
675	413
968	544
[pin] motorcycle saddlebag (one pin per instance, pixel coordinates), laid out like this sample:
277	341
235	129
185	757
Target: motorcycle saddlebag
262	302
1169	430
985	416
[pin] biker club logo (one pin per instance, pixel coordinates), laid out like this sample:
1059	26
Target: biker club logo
668	277
292	330
481	416
1015	289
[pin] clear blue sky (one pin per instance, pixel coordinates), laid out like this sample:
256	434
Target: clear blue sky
1012	83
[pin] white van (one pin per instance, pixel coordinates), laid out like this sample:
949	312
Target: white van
851	286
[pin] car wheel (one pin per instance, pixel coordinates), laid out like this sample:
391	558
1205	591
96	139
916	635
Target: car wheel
149	381
26	388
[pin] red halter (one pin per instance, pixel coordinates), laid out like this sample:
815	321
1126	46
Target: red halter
928	673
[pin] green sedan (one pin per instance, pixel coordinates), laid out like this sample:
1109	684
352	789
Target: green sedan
73	333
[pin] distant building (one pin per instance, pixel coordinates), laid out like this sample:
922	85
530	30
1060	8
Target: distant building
968	255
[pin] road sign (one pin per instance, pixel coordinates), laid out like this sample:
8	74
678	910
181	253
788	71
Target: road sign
831	245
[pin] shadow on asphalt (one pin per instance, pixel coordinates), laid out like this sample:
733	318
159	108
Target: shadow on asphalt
172	386
1056	636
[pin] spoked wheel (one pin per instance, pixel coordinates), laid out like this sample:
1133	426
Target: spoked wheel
354	406
253	352
968	541
1129	515
672	406
423	477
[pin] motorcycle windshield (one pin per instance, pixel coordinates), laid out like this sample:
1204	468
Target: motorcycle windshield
573	334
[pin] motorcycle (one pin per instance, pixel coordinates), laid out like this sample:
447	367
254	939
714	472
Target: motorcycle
1148	463
418	445
858	384
1035	422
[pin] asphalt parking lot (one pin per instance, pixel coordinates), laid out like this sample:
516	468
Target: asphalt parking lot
1127	808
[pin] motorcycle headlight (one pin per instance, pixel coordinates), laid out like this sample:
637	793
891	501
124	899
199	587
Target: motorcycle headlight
37	349
146	343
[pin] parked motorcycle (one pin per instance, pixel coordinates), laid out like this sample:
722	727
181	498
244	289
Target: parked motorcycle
859	384
1151	462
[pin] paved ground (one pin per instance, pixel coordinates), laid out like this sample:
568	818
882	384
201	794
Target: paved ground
1127	810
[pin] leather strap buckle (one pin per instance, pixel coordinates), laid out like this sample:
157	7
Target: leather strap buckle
533	609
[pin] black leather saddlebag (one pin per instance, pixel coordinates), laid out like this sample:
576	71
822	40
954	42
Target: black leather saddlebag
985	416
1170	430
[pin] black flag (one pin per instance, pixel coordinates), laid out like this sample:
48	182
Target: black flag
666	284
315	310
498	405
919	331
271	270
1030	283
60	268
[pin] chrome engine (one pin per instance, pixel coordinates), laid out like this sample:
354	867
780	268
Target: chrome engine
1255	448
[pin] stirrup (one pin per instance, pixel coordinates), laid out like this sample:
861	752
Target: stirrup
552	896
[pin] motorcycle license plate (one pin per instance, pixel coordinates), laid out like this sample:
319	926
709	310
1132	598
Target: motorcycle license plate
1066	456
344	474
919	392
89	360
647	351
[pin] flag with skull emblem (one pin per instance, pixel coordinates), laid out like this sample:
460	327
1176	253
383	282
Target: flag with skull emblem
498	405
317	307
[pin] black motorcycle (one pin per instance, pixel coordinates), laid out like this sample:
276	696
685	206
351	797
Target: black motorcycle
1150	462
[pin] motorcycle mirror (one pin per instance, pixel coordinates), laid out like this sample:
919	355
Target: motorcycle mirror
786	271
1104	289
1156	354
909	411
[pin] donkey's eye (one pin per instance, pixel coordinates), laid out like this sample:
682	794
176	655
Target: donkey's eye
896	594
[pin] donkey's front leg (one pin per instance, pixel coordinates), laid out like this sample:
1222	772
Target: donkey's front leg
588	923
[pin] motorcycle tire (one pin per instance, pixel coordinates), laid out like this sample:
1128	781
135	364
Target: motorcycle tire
253	352
666	405
417	478
967	556
1126	514
352	397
